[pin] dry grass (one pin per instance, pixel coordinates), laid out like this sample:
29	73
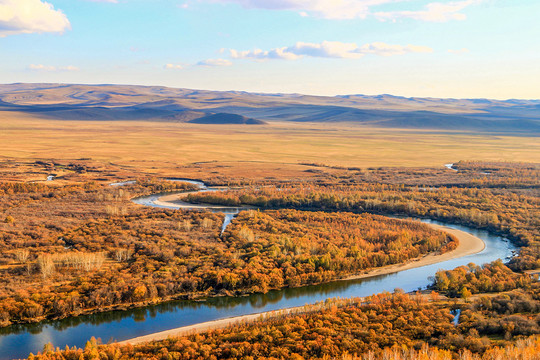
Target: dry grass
172	148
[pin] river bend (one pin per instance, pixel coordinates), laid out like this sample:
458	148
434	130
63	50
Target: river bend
18	341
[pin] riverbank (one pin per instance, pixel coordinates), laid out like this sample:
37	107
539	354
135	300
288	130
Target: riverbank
213	325
468	245
176	200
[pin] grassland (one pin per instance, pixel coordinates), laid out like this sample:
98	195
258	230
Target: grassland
324	156
277	148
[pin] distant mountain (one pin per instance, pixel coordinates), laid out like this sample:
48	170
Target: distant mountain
155	103
224	118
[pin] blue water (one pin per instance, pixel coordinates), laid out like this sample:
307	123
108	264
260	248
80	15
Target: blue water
456	314
19	341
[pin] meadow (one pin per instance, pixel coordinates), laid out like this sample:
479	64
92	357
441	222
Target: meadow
333	175
261	151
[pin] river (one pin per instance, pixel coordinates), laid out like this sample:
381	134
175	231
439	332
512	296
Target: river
18	341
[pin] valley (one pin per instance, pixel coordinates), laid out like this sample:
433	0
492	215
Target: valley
117	229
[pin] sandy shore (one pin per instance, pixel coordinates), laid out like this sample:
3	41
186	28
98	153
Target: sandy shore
468	244
210	325
176	200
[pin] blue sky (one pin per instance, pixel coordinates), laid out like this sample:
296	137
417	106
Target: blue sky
463	48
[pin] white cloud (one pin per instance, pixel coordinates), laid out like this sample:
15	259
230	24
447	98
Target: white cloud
258	54
359	9
69	68
458	51
433	12
382	49
30	16
329	49
330	9
48	68
215	62
174	66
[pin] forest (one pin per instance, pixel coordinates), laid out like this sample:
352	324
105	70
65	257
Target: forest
82	246
473	279
94	250
509	205
383	324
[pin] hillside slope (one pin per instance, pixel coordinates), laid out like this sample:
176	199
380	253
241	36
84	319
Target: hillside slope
123	102
224	118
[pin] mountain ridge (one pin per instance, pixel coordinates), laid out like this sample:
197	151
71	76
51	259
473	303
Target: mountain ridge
106	102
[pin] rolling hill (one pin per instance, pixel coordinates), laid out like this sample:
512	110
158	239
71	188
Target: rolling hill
152	103
224	118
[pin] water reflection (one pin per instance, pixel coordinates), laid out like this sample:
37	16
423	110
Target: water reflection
257	302
20	340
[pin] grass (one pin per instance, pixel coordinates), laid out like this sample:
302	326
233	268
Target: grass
170	147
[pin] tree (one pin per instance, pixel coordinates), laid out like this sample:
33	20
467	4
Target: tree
465	293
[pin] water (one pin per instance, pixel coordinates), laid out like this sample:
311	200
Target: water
227	220
131	182
229	211
123	183
456	314
450	166
19	341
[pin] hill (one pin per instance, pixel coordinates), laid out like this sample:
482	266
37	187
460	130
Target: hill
224	118
125	102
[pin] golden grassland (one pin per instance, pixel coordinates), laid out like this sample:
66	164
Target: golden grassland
165	148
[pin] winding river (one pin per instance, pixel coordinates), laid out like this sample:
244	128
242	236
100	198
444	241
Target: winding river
18	341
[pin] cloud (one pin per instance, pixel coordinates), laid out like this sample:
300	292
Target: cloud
207	63
215	62
330	9
30	16
382	49
259	54
48	68
459	51
109	1
359	9
329	49
433	12
174	66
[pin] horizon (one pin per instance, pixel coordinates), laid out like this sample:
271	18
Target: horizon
262	93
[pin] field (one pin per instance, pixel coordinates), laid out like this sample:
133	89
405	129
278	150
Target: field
323	190
277	149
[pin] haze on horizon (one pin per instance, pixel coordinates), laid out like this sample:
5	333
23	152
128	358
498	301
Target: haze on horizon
429	48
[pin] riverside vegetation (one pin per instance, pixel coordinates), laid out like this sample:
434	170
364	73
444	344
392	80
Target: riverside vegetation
504	201
85	248
58	260
390	326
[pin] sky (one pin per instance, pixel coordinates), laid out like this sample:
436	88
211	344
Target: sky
428	48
